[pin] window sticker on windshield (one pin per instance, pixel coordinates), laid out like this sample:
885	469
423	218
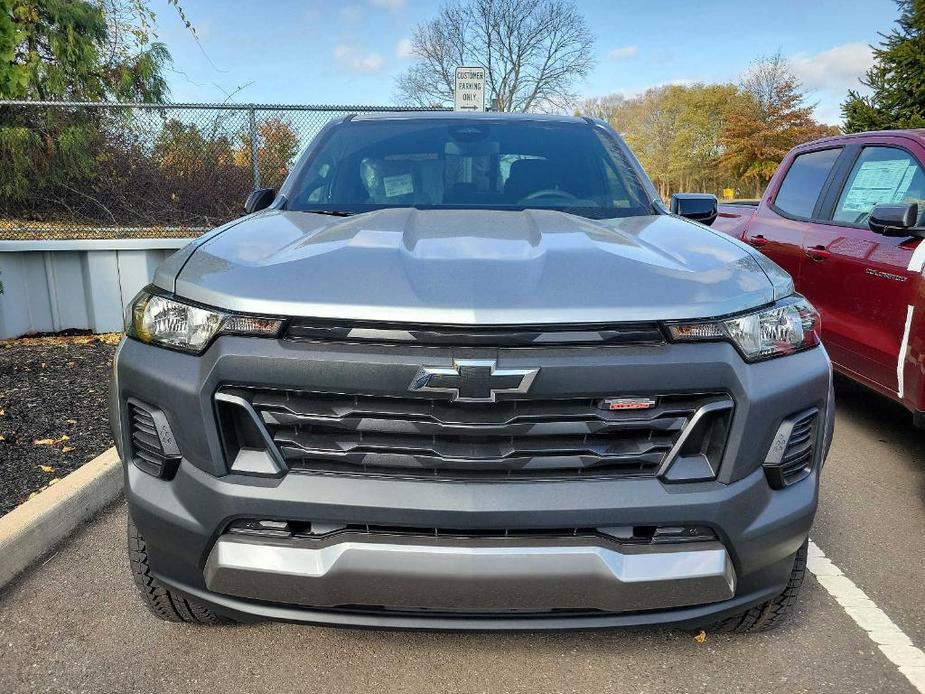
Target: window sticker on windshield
877	182
398	185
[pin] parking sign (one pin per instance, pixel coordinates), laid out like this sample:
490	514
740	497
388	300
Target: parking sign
469	94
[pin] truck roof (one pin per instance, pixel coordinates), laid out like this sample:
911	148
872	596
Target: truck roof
467	115
911	133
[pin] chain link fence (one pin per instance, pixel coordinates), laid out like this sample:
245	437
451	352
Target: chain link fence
105	170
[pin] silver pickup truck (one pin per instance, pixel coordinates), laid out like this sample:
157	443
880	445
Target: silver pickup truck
466	371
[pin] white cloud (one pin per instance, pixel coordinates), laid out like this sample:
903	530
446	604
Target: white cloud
390	5
623	53
828	75
837	68
404	49
353	59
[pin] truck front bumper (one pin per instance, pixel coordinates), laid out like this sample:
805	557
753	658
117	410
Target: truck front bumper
480	579
463	579
563	582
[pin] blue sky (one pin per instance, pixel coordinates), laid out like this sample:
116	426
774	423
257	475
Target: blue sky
349	52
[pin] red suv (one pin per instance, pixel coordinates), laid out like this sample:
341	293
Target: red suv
844	216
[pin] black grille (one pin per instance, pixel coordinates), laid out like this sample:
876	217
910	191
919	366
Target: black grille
509	439
150	451
330	533
500	336
797	459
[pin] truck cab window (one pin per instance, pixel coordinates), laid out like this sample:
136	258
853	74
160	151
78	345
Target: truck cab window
807	175
880	175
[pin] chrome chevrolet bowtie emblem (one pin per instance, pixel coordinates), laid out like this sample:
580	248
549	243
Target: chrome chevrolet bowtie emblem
473	380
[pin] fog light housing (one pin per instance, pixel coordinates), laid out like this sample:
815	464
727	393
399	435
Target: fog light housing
152	444
793	451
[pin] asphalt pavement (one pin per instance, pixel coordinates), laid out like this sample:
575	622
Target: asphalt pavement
75	624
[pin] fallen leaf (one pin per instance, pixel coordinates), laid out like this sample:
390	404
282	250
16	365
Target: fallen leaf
54	481
71	421
68	449
2	413
2	437
701	637
58	340
51	442
47	469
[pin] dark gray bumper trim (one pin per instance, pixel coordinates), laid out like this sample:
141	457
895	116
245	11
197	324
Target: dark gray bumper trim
471	579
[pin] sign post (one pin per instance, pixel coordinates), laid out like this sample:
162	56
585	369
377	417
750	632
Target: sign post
469	94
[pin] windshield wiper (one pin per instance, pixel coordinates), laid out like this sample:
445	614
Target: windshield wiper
332	213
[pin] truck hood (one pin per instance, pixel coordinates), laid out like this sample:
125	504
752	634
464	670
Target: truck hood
472	267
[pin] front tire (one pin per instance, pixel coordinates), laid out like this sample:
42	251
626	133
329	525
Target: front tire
770	614
161	601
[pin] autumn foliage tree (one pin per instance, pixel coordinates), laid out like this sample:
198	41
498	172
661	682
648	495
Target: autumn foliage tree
277	146
772	119
192	172
675	131
711	137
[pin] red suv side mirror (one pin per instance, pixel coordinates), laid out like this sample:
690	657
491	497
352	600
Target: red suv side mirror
895	219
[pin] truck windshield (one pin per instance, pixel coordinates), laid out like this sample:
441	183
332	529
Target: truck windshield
433	164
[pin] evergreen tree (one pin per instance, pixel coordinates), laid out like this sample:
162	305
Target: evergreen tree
80	50
73	50
897	78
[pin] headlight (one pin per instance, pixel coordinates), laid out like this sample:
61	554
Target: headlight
788	327
171	323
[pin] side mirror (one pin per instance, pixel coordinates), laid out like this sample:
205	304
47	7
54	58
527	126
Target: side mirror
700	207
894	219
260	199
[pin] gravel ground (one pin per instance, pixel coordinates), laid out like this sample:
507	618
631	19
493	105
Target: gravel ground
53	409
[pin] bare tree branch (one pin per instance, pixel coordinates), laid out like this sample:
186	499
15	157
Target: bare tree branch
533	53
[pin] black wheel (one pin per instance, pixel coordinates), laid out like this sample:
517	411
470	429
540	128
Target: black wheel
772	613
161	601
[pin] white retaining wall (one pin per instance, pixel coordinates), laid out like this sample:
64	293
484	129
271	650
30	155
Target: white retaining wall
55	285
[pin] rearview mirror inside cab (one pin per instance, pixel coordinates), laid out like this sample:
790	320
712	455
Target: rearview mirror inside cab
700	207
895	219
260	199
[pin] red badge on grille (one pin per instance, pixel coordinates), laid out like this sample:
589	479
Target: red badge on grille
628	403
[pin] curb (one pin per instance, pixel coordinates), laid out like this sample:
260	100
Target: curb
31	530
